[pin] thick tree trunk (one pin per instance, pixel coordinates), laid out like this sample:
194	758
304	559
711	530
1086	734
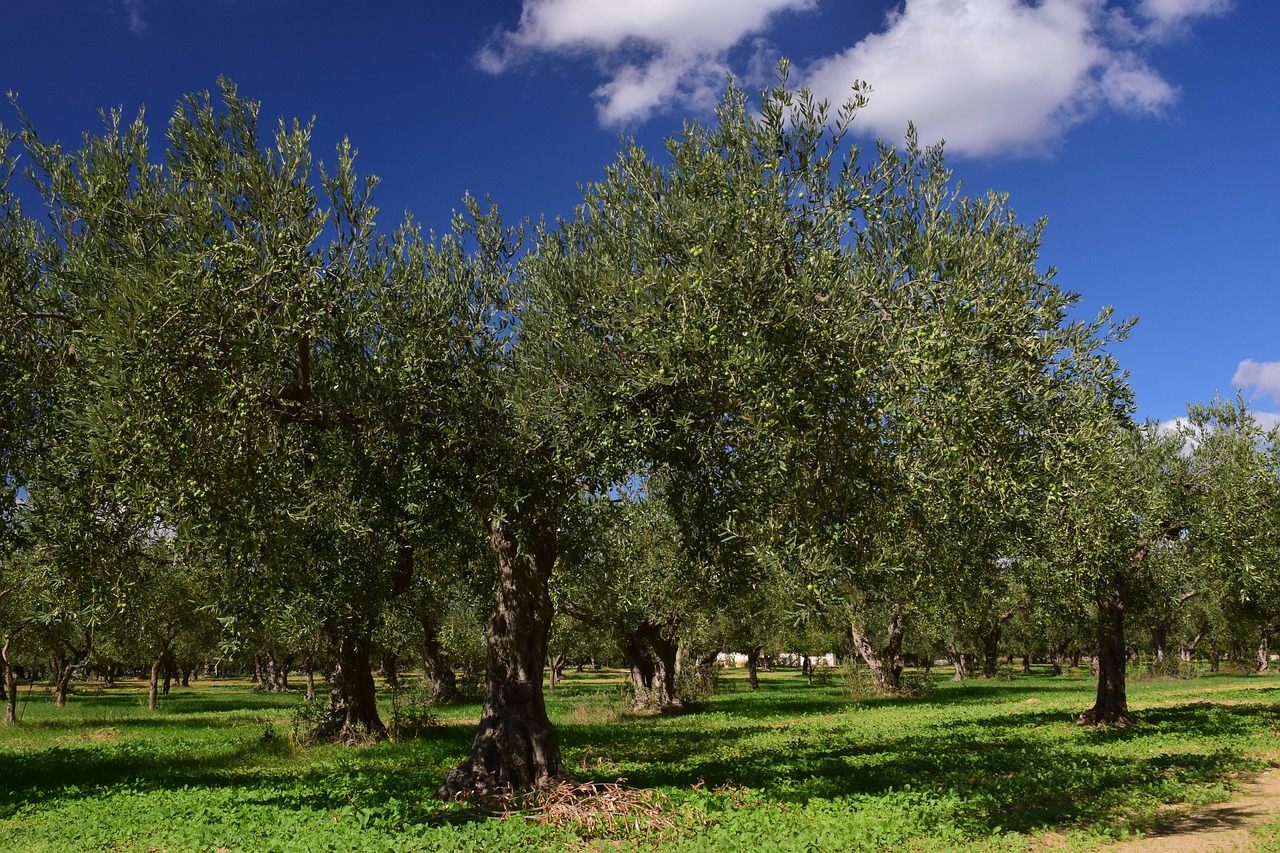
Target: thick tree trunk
1159	641
666	651
991	652
991	646
360	693
10	686
311	678
959	665
643	668
555	670
352	713
1058	658
886	663
1111	706
753	667
153	688
272	675
1188	652
652	653
62	668
390	668
1264	651
516	746
435	668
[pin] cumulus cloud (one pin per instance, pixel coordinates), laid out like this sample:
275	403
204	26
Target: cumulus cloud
654	53
1262	376
1166	18
996	76
1267	420
989	76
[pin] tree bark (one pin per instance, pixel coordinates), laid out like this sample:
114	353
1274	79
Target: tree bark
644	668
271	674
991	645
361	694
310	666
390	668
1159	641
352	713
1188	652
435	668
153	687
1264	651
1111	707
958	663
10	685
555	670
63	666
753	667
516	745
651	656
886	663
1058	658
168	675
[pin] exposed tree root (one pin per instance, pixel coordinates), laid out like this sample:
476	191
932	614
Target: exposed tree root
1095	717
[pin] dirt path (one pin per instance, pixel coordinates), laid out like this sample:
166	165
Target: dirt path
1221	827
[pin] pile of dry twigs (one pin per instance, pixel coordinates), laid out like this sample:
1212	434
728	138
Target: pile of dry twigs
588	809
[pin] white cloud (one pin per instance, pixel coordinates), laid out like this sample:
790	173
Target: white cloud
994	76
1267	420
989	76
132	10
1168	14
1262	376
655	53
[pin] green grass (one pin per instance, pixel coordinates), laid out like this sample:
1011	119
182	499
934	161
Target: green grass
978	765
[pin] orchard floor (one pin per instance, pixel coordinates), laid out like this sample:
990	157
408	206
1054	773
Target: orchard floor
976	765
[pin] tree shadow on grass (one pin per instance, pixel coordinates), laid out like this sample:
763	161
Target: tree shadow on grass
364	777
994	772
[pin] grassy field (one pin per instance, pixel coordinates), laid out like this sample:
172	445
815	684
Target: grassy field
979	765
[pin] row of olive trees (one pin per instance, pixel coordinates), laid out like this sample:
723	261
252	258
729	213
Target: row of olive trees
847	382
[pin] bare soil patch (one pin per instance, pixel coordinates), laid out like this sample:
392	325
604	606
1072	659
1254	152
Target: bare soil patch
1223	826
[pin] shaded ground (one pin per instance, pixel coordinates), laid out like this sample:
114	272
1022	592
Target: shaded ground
1223	826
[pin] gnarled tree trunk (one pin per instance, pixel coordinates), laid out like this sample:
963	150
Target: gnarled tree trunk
652	651
10	685
1188	651
959	664
644	669
153	687
63	666
516	746
352	712
1058	658
753	666
991	644
271	674
885	663
1111	706
555	670
1159	642
435	668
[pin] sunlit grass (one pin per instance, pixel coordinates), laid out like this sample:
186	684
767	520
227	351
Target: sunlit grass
984	765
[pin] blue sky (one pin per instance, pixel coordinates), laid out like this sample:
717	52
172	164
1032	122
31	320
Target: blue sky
1147	131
